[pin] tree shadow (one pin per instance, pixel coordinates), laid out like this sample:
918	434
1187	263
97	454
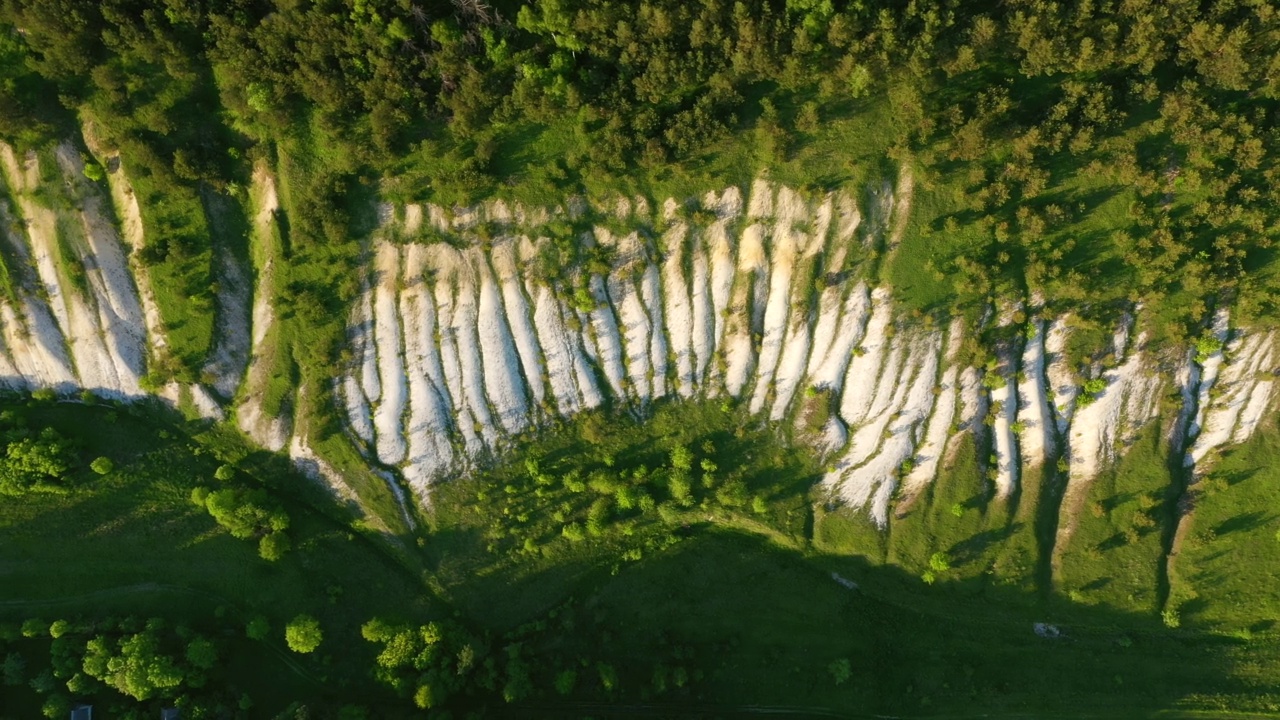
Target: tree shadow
1242	522
763	625
975	547
1096	584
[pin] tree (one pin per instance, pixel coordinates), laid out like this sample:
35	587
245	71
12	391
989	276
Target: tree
202	654
136	665
34	627
102	466
57	705
35	463
14	669
245	513
681	487
378	630
681	458
608	677
273	546
565	680
224	473
303	634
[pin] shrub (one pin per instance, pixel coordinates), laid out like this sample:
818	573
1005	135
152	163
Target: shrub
732	494
939	562
1207	345
1093	386
608	676
257	628
565	681
841	670
598	516
199	495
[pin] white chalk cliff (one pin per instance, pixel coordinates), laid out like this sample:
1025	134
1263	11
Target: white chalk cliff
457	350
756	295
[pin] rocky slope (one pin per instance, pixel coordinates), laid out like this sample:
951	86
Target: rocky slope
468	333
756	298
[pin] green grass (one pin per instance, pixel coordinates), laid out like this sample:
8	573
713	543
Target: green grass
739	605
1115	555
1225	573
479	527
131	543
183	280
750	610
322	277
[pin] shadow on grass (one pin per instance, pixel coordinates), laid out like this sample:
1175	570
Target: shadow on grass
976	546
760	629
1243	522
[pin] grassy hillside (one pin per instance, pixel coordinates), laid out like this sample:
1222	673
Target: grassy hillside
132	543
1012	163
667	606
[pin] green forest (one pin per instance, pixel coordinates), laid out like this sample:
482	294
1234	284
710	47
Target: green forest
1030	113
1019	169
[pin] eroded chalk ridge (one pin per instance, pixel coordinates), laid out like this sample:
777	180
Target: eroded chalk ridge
71	316
459	347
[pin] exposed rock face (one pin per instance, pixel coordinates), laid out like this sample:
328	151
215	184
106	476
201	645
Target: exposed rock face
756	296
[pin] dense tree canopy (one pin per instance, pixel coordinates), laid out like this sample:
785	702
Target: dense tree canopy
1176	101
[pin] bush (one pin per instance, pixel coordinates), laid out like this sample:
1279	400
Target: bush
1207	345
199	495
565	681
257	628
841	670
102	466
608	677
